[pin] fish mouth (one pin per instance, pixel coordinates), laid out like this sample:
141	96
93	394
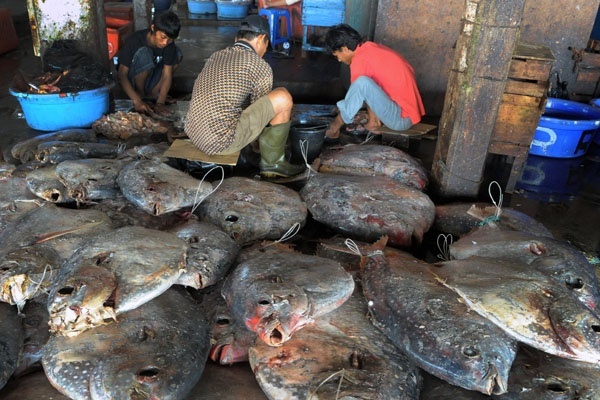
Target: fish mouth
273	333
495	383
221	353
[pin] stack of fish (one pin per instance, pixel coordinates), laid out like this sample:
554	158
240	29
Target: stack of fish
123	277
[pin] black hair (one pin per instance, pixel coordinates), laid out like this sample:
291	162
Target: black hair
342	35
168	22
248	35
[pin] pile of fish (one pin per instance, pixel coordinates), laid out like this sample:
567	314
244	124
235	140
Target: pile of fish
124	277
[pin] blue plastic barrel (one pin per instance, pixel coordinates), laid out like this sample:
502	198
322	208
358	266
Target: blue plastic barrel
53	112
596	103
565	130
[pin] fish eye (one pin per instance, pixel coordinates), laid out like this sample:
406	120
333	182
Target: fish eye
264	302
470	351
66	291
556	387
573	282
148	374
596	328
231	218
222	321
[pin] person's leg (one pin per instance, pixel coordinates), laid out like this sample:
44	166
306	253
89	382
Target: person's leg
141	67
379	105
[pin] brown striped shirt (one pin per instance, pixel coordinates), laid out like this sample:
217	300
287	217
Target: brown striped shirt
231	80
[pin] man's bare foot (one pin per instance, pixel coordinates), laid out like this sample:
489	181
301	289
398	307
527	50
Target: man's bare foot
333	132
373	126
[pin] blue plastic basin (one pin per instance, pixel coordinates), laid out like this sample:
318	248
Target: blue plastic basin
565	130
202	7
53	112
230	9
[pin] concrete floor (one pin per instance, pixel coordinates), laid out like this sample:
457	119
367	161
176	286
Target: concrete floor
569	207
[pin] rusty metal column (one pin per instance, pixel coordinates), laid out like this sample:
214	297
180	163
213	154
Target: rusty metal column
79	20
476	82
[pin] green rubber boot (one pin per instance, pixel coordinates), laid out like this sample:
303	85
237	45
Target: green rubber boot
272	142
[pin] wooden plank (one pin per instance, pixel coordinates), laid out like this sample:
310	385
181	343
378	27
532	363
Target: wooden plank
588	75
526	88
533	52
526	101
590	59
530	69
419	129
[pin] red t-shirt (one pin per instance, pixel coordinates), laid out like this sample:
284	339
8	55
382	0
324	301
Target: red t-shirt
392	73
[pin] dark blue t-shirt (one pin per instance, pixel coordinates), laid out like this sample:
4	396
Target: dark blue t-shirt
168	55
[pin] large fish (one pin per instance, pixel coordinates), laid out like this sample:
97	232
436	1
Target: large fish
11	340
366	208
158	188
112	273
278	293
459	218
527	304
27	272
59	151
432	326
61	228
536	375
156	351
340	356
229	338
90	178
249	209
25	151
44	183
557	258
210	253
372	160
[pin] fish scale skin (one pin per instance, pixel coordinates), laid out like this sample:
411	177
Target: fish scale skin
167	337
366	208
281	292
341	356
434	329
11	340
527	304
370	160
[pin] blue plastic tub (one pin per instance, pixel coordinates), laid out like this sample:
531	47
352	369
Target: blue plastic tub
565	130
552	176
596	103
202	7
53	112
231	9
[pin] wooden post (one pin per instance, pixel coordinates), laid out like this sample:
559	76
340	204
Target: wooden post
476	82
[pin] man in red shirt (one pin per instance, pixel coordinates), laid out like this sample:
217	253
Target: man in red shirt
379	77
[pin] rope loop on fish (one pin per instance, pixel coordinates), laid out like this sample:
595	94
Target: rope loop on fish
370	136
198	201
304	152
294	229
500	198
352	247
444	247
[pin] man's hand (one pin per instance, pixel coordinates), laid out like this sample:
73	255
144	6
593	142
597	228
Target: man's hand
141	107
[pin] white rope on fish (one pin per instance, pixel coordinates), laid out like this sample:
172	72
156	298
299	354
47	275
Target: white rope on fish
304	151
288	235
39	284
342	374
500	198
370	136
444	248
197	201
352	246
